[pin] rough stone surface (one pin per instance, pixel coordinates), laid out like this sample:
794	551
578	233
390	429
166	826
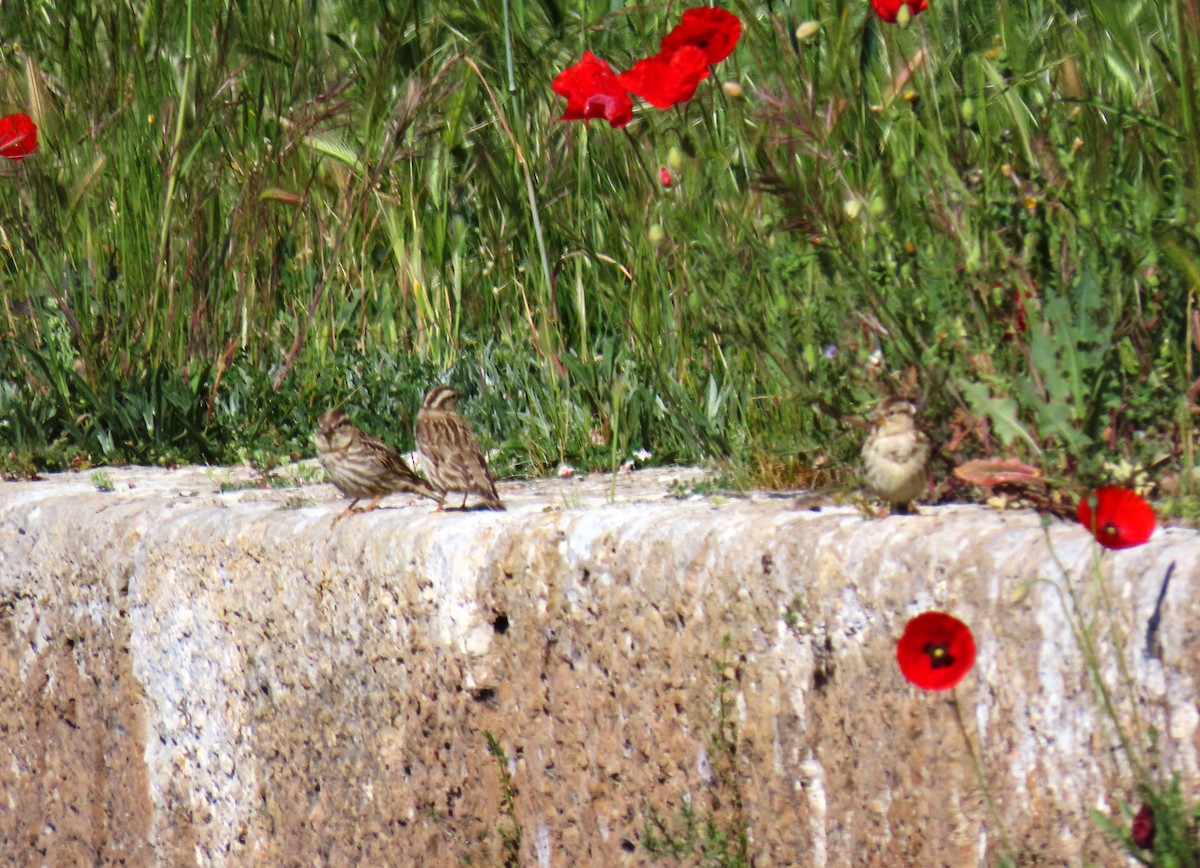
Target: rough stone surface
196	677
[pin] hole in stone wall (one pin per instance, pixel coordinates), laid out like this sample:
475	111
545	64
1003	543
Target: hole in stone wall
824	668
483	694
500	624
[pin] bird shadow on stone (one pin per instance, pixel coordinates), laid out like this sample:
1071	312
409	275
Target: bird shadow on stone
473	507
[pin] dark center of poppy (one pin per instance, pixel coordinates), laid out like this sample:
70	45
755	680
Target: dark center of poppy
939	654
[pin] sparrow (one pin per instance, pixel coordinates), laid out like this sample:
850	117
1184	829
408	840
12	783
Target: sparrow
450	454
361	465
896	455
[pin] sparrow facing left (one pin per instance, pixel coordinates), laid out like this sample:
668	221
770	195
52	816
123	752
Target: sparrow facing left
361	465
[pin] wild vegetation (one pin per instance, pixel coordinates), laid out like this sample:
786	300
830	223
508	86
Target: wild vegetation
242	213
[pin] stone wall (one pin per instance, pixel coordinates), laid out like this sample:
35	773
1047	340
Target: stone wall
196	677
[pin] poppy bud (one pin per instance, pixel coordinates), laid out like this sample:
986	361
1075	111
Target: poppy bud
675	158
664	176
807	31
1143	829
733	90
968	111
655	234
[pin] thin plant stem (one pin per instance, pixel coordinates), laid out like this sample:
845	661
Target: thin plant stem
508	53
185	86
980	776
636	149
1083	637
1117	644
530	192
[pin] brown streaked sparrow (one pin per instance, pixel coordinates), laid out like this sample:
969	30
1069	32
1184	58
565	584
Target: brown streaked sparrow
450	454
361	465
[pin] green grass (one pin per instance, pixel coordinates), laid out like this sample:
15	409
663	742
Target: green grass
508	828
242	213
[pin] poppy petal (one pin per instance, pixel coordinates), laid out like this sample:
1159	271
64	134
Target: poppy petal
667	78
1121	520
714	31
592	92
936	651
889	10
18	136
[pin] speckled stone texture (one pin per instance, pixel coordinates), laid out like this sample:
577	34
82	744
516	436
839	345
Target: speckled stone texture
196	677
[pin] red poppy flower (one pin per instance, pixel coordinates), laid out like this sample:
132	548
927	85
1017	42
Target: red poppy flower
664	176
592	91
668	77
1143	829
714	31
936	651
888	10
18	136
1122	519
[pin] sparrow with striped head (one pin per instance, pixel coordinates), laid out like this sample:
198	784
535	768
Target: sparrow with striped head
363	466
896	455
450	454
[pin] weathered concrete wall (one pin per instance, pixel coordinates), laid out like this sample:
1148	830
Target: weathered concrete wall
191	677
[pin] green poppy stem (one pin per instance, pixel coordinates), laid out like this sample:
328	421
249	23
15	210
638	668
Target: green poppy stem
1010	854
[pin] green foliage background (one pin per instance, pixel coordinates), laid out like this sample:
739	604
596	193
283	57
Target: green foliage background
241	213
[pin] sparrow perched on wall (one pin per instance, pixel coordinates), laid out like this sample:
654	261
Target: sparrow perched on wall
896	455
361	465
450	454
